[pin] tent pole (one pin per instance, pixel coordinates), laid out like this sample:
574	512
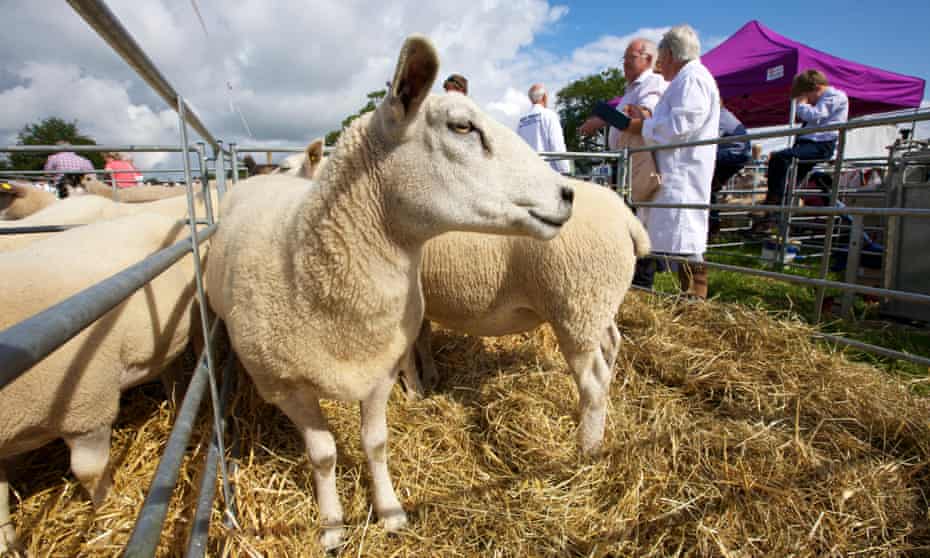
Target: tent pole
792	114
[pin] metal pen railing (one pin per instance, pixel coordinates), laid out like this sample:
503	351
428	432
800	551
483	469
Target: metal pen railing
26	343
857	213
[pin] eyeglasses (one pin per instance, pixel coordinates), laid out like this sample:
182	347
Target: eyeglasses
634	56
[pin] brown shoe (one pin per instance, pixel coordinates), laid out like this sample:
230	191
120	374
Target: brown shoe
693	279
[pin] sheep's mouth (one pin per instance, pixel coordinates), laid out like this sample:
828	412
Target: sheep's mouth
555	222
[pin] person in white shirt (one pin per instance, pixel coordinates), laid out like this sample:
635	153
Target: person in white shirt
643	90
689	110
541	128
818	105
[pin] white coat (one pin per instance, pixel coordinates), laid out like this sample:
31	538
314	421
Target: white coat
541	129
688	111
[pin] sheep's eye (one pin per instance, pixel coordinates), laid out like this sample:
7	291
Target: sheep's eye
460	128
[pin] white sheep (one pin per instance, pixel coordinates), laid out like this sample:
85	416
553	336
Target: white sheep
82	210
136	194
319	283
74	392
19	200
493	285
303	164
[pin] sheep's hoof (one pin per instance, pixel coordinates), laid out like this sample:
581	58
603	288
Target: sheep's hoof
394	521
332	538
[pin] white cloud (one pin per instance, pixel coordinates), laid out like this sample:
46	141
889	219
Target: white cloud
101	107
296	69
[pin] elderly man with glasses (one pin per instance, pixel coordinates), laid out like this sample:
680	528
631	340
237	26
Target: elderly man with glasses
688	111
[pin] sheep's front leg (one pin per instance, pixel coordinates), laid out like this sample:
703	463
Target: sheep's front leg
592	376
7	532
90	453
304	410
374	442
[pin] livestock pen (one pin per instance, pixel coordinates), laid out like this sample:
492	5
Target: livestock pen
730	433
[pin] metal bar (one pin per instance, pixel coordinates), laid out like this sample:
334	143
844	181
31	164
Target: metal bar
93	148
107	25
876	211
200	529
204	180
36	229
917	359
784	220
831	222
202	300
234	162
95	171
925	115
900	295
852	261
26	343
220	167
145	535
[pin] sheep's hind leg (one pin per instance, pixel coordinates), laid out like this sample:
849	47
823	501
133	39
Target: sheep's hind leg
7	532
90	454
424	349
374	442
592	376
306	413
610	345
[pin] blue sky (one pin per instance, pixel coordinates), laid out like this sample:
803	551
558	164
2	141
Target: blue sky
891	35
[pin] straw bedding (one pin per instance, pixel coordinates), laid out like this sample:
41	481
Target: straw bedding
729	434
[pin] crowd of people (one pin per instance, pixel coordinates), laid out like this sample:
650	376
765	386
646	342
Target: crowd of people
672	98
67	168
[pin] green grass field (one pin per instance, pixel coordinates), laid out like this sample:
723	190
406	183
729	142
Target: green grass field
799	301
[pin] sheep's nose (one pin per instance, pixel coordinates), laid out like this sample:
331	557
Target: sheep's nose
568	194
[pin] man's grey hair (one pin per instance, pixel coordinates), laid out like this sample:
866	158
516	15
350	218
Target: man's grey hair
682	43
536	93
648	48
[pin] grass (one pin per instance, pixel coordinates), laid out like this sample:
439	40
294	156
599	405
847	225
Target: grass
800	301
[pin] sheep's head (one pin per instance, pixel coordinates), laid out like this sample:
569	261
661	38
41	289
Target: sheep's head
303	165
448	166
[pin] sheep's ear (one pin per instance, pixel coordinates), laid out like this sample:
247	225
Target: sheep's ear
314	151
416	71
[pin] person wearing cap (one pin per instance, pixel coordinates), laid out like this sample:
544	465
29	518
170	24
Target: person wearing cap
456	83
541	129
818	104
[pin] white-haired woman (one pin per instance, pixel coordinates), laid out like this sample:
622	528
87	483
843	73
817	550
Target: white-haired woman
689	110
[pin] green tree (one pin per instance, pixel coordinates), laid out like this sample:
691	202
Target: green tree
373	99
577	100
47	132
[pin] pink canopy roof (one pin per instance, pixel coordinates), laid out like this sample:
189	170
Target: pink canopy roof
755	66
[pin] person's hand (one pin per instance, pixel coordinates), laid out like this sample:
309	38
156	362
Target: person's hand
637	111
591	126
802	100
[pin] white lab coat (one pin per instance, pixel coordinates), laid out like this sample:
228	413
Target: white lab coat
688	111
542	130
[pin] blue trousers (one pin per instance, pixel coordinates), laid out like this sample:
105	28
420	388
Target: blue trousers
807	152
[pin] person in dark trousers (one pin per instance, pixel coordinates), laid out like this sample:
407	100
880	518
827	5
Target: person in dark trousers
819	104
731	158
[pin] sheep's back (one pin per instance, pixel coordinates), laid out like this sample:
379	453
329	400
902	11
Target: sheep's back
77	387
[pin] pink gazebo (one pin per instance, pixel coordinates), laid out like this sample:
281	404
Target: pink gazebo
755	66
